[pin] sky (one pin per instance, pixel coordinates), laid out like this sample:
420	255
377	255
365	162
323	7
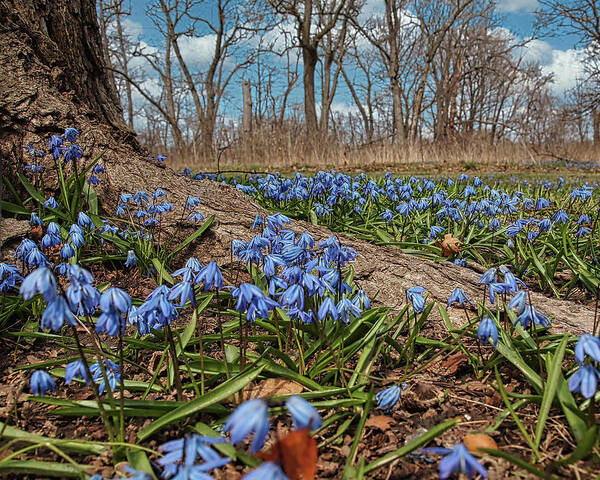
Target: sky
557	54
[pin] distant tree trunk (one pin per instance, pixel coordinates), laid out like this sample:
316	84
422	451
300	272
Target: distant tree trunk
596	120
247	112
310	58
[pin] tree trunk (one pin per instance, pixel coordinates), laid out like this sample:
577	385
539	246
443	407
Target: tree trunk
596	120
54	77
309	56
247	112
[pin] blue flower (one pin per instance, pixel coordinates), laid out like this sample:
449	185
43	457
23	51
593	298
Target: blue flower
41	382
457	460
387	399
519	301
98	169
67	251
346	309
258	222
114	302
51	203
495	288
361	299
184	291
56	314
192	202
304	415
161	158
210	276
39	281
267	471
487	328
115	299
112	374
34	220
415	296
36	258
24	248
560	216
250	416
139	197
76	236
293	297
82	296
587	345
71	134
196	217
180	457
458	296
585	381
131	259
73	153
489	276
328	309
84	221
531	314
387	216
76	369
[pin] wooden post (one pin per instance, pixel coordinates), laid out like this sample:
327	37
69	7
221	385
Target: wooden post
247	115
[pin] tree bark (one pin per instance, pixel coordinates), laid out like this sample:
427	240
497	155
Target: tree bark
247	111
596	121
55	77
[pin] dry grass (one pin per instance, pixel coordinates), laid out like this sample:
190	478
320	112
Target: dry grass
291	151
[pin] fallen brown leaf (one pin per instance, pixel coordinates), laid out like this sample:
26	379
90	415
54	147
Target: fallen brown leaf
450	245
272	387
452	363
475	441
380	422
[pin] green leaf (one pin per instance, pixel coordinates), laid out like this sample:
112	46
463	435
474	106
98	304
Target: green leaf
88	448
513	413
138	460
41	469
92	198
358	435
31	190
573	414
507	348
410	446
584	447
14	208
518	462
205	226
160	268
224	390
554	376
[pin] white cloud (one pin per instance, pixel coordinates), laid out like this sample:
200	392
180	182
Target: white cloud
197	51
512	6
538	51
567	67
132	29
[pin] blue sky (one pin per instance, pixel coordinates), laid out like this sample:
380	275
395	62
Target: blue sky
556	54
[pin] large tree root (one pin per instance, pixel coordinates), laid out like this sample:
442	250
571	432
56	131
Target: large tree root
384	272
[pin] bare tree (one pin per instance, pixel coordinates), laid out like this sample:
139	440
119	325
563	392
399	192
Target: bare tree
582	19
311	32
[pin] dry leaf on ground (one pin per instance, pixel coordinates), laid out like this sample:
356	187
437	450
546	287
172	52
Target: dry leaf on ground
475	441
450	245
271	387
452	363
380	422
